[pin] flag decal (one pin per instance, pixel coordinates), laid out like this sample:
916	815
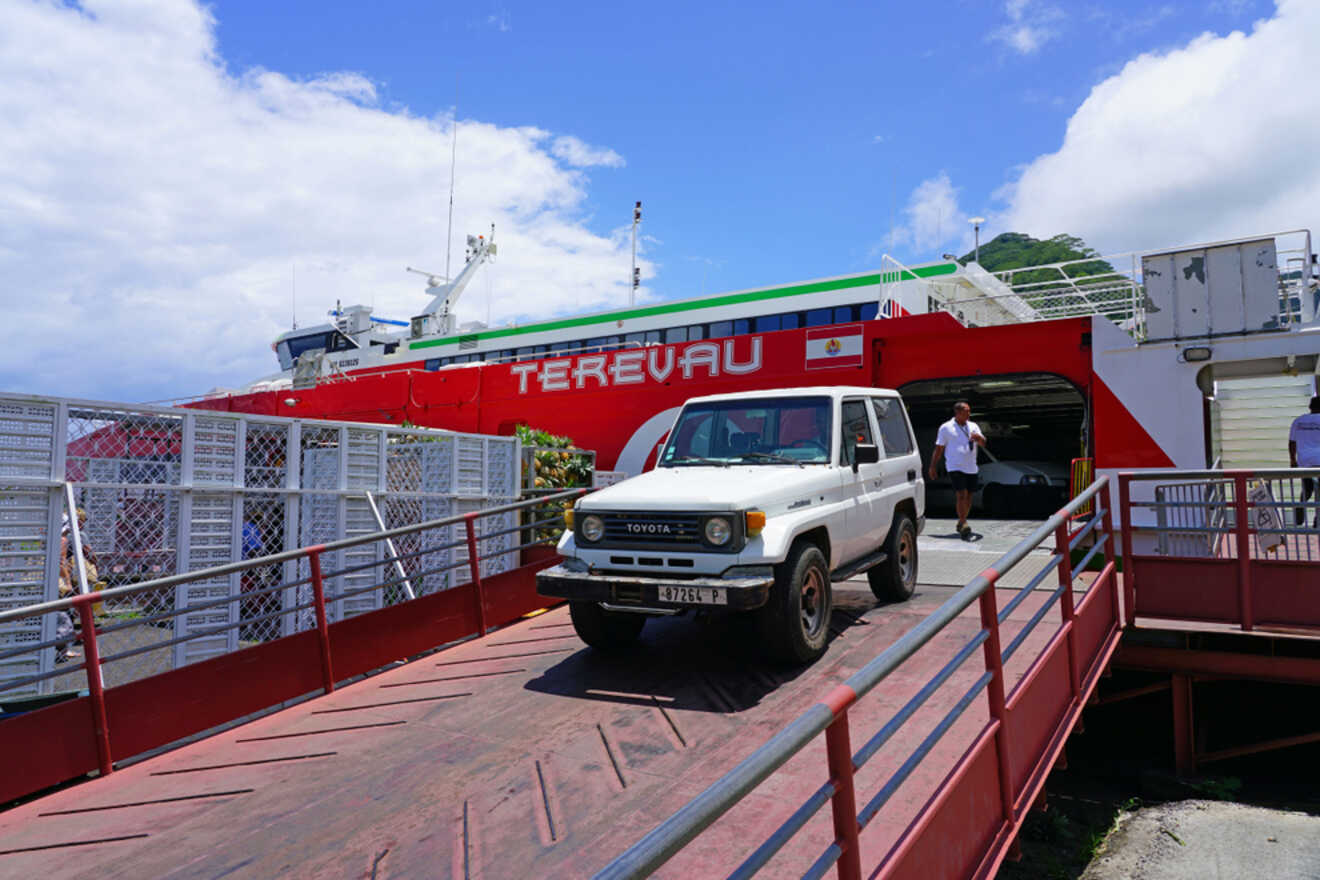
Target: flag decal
832	347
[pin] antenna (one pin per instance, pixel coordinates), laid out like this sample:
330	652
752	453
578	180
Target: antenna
636	275
453	163
294	269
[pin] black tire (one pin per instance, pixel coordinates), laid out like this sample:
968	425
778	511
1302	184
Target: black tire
895	579
795	622
607	631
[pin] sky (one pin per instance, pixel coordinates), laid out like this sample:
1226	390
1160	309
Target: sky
179	181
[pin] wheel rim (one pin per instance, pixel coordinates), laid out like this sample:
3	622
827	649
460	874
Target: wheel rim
907	557
812	602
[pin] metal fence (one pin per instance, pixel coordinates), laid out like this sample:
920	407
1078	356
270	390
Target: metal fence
112	647
95	496
1238	546
1076	654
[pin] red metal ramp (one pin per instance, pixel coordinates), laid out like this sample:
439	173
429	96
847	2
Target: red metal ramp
523	751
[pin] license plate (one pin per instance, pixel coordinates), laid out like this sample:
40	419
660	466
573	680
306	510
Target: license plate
694	595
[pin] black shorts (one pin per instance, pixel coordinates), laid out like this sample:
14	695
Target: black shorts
963	482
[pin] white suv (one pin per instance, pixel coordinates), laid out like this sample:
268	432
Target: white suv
758	502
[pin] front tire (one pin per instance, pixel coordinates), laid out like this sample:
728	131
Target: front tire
606	631
895	579
795	622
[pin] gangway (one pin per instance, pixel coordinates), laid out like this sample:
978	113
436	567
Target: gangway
515	749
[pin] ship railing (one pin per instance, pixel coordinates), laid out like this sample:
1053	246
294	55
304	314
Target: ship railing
985	797
446	561
1235	547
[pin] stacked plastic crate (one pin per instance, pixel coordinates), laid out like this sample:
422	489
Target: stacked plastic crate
29	537
213	524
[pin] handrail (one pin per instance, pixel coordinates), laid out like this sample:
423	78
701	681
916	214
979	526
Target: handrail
663	842
283	556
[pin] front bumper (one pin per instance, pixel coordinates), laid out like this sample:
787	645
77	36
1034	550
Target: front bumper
741	593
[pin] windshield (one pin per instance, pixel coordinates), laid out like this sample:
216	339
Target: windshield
769	431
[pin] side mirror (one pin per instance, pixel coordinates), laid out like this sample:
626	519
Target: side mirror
865	453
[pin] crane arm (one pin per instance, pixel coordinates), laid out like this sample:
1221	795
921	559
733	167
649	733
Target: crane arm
446	295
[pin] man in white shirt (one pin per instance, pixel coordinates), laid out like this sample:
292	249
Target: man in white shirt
1304	451
956	443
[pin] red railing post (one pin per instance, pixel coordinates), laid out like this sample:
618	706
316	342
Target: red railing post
1062	539
994	664
322	624
1129	575
474	565
838	749
1107	523
95	685
1242	533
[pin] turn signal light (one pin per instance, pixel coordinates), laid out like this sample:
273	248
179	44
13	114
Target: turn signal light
755	522
568	517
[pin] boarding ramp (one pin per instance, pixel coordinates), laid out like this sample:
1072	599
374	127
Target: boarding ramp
110	712
969	823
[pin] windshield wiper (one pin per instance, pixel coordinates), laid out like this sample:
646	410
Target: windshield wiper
771	456
695	460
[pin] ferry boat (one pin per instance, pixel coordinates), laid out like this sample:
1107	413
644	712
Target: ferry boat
1175	357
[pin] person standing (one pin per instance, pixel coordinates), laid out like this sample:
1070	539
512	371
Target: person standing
1304	451
956	443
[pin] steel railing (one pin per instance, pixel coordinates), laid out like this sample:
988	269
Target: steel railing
830	716
1242	534
391	575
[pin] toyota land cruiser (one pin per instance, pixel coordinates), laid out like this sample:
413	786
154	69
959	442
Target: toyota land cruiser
759	501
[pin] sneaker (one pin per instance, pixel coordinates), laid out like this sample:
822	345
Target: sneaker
965	531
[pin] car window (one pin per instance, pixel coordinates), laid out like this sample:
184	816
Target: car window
856	429
893	425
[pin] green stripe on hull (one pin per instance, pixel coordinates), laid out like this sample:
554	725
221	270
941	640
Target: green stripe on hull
689	305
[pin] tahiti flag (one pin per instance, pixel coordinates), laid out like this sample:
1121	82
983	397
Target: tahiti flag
837	346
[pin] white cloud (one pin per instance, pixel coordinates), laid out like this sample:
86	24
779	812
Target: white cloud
1216	139
932	220
575	152
1030	25
153	206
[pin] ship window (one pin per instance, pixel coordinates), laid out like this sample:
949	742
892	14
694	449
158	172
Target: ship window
818	317
843	314
634	337
538	351
652	337
767	323
789	321
869	311
742	327
695	332
524	353
432	364
721	328
676	334
302	344
559	348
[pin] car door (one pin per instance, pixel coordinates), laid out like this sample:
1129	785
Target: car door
866	522
902	466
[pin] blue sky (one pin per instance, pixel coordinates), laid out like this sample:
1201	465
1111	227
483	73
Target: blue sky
766	145
178	180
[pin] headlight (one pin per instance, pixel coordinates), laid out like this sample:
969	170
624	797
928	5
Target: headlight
718	531
1032	480
593	528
